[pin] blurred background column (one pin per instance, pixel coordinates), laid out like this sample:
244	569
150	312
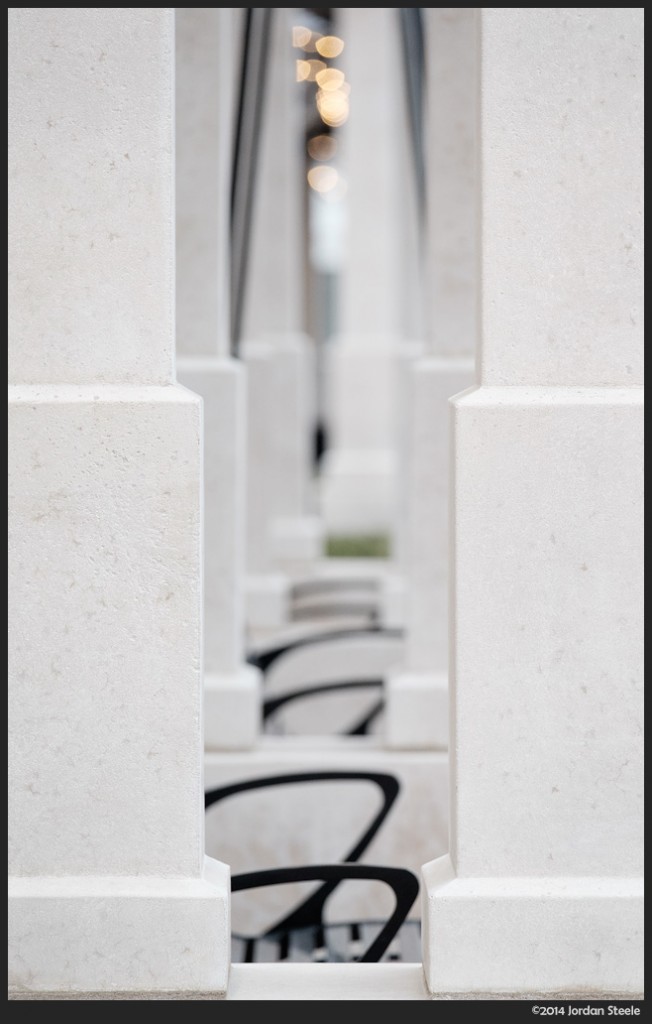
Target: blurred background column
267	588
542	891
417	695
274	317
205	72
359	467
110	890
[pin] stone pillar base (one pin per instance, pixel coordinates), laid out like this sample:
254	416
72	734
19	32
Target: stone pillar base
521	935
120	934
393	600
417	710
232	712
267	599
222	386
357	491
433	381
297	542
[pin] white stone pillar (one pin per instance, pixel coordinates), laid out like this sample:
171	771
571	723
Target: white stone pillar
110	890
267	589
542	889
393	605
205	71
274	310
358	470
417	694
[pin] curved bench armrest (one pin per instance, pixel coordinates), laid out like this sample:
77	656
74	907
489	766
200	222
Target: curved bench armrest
266	658
404	884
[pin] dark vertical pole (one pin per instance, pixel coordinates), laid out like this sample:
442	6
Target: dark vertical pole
249	114
412	37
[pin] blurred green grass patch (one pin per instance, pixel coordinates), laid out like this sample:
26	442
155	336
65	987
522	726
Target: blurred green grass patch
363	546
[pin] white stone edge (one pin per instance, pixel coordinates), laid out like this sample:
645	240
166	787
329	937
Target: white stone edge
511	395
44	394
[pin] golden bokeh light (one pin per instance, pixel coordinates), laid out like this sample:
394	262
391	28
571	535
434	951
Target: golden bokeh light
322	147
303	70
322	179
301	36
333	107
329	46
330	79
314	68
